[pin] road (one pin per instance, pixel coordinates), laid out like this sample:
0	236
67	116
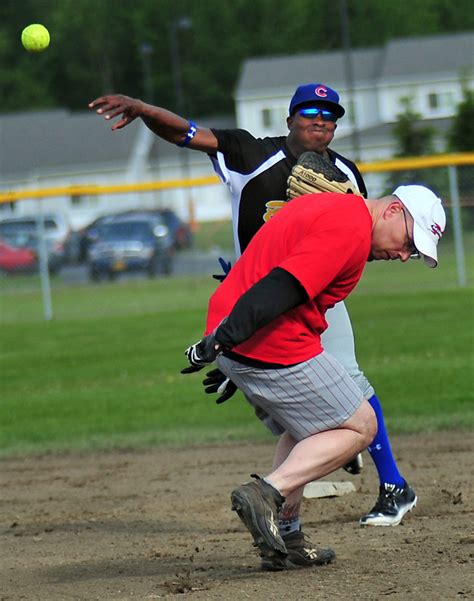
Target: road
185	263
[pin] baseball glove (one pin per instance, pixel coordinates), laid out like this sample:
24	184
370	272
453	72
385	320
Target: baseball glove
312	173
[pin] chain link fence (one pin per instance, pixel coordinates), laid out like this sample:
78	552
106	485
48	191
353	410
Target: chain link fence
451	176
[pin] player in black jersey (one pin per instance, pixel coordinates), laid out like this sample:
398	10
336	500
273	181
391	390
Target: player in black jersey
256	171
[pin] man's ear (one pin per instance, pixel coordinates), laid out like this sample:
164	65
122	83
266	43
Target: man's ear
392	209
289	122
335	126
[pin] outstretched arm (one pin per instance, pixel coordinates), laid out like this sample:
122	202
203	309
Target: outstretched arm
163	123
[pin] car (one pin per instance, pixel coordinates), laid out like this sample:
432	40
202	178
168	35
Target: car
122	244
22	231
16	260
179	230
30	241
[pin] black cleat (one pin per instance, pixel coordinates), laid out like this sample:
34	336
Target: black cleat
393	503
354	466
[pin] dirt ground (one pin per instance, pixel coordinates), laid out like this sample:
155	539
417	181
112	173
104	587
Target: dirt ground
157	524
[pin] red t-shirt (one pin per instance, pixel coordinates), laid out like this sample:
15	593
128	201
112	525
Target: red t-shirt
324	241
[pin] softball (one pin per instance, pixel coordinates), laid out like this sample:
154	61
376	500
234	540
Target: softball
35	38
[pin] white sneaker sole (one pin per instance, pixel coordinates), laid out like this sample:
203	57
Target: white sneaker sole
383	520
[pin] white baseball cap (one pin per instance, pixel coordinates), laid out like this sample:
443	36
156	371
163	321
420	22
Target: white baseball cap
428	216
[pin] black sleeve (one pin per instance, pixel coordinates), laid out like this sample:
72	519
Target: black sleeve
244	152
270	297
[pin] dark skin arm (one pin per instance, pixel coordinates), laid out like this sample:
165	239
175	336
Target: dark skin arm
163	123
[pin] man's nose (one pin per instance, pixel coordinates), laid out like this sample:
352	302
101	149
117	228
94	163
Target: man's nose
404	256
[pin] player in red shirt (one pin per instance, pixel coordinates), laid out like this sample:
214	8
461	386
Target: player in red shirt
306	242
264	326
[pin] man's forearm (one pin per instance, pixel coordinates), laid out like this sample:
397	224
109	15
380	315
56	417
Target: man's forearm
164	123
174	129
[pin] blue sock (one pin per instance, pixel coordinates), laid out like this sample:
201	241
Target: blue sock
381	452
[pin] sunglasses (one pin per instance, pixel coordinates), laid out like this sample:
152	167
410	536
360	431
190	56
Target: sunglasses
313	112
410	244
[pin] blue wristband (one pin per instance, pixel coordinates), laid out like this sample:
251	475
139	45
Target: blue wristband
189	136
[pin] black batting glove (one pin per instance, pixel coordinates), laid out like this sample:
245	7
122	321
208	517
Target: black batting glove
226	267
218	382
201	354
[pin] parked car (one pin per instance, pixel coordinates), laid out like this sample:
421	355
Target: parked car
29	241
124	244
179	230
16	260
56	230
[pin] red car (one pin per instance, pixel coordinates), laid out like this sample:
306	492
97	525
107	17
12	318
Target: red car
16	259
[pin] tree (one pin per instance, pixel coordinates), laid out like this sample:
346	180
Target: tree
96	44
461	135
461	139
412	138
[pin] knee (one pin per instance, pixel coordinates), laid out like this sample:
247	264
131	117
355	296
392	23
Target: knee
366	423
371	431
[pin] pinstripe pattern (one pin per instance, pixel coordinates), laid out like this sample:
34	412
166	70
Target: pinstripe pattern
305	399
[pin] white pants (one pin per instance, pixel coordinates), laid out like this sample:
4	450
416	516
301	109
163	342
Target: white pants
338	340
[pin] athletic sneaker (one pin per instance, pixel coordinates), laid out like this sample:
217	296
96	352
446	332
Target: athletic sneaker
257	504
393	503
301	554
354	466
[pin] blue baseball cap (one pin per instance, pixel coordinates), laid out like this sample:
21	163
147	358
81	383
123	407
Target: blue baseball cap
317	92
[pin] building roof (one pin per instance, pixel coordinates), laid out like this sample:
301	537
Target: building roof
431	54
34	141
399	57
60	140
283	72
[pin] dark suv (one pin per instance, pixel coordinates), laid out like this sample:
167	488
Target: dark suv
124	244
179	231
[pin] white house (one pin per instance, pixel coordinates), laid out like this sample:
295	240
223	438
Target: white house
430	71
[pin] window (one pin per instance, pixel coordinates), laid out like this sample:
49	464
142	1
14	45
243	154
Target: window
441	101
433	100
267	118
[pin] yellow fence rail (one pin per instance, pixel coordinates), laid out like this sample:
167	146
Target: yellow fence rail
426	162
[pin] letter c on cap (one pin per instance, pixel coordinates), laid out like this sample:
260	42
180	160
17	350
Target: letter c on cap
321	91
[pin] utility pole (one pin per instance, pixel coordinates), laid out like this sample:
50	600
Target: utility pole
349	76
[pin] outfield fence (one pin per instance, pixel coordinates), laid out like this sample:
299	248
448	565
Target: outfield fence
450	175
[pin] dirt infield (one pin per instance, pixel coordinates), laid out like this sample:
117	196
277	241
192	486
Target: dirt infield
157	524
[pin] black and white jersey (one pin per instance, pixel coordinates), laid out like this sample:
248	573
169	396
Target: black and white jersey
256	172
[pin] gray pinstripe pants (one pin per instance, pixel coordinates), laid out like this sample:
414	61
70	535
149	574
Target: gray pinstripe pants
304	399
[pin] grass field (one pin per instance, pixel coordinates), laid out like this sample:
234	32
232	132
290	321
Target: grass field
105	371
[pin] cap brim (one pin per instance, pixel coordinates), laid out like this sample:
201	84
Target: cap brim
337	109
425	245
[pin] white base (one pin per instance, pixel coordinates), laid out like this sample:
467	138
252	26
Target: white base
318	490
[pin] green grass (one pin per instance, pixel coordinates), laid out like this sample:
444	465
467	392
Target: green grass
105	372
214	234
